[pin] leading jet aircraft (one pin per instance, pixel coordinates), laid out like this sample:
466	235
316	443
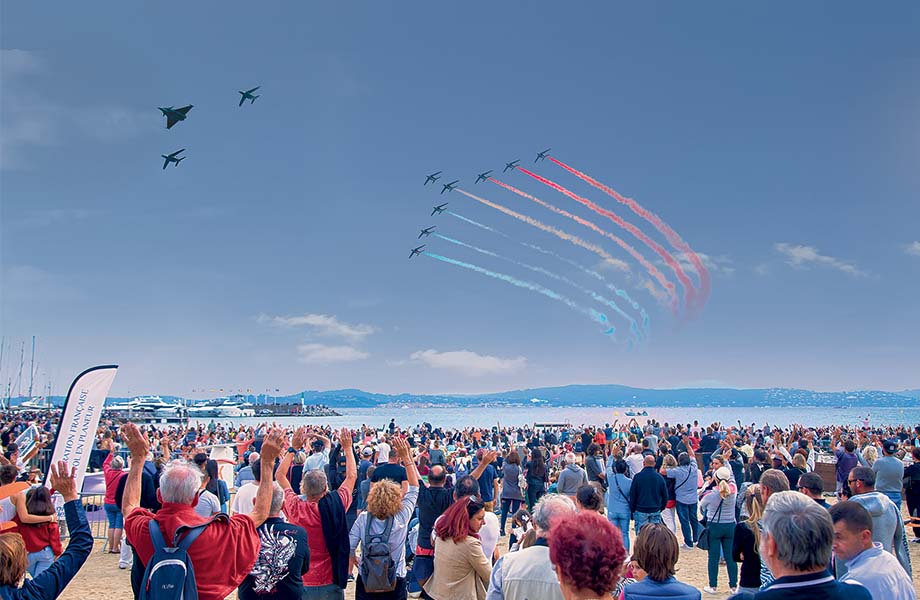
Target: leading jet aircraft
416	251
511	166
174	115
432	178
439	209
427	232
449	187
249	95
171	158
483	176
542	155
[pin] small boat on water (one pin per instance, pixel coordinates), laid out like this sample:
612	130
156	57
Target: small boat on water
633	413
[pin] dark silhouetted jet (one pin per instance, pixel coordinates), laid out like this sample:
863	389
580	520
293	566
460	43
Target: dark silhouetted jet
171	158
174	115
249	95
449	187
416	251
542	155
439	209
483	176
427	232
432	178
511	166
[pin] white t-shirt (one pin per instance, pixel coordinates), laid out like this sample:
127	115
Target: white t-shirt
7	510
488	534
207	504
245	498
383	453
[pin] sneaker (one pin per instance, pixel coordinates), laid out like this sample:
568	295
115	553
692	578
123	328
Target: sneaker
686	547
916	540
122	565
710	590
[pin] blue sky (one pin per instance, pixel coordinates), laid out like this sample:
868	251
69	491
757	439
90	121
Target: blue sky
781	141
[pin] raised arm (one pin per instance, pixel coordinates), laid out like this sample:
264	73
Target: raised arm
487	458
139	447
297	441
351	469
19	501
402	448
271	448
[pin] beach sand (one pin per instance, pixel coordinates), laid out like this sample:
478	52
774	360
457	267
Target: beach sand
101	579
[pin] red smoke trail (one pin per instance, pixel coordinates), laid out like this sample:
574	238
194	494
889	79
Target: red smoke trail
652	269
689	290
673	237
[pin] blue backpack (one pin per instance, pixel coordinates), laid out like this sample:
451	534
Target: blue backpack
169	574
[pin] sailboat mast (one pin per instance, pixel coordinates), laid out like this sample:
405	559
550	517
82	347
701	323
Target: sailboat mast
32	369
22	356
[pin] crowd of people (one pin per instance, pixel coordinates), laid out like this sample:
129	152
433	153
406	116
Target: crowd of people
588	512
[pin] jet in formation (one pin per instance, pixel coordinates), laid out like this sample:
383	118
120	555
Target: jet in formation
173	158
248	95
542	155
439	209
427	232
449	187
432	178
511	166
416	251
174	115
483	176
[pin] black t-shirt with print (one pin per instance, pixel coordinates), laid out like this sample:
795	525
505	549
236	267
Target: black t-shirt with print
284	557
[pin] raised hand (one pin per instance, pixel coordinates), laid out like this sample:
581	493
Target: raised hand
136	441
402	448
271	446
345	438
63	479
299	438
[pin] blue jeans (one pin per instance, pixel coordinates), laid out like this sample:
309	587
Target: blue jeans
642	518
323	592
895	497
689	522
39	561
721	536
509	506
116	520
621	522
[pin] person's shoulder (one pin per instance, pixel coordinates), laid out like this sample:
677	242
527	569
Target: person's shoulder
847	590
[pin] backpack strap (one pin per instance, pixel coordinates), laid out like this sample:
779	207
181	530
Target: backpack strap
193	532
156	535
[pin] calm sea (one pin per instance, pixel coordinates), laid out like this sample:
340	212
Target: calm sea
576	415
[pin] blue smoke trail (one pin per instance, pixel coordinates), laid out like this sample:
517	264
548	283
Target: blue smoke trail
597	297
633	326
527	285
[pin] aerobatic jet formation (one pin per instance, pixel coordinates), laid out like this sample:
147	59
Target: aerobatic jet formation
416	251
172	158
427	231
449	187
439	209
248	95
174	115
542	155
432	178
483	176
511	166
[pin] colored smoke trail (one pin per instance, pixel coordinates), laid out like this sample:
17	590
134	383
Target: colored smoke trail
689	290
672	236
527	285
633	326
649	267
569	261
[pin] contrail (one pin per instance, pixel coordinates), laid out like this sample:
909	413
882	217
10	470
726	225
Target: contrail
689	290
621	293
649	267
633	326
672	236
527	285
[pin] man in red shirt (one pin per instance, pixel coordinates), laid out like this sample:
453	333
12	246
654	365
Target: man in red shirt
227	549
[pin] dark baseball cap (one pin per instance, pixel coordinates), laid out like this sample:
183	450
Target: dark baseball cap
890	446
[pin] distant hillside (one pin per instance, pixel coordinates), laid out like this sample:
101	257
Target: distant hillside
915	394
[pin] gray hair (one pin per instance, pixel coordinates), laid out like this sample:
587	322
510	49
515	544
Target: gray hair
803	530
314	483
277	499
117	462
570	458
180	482
550	508
253	457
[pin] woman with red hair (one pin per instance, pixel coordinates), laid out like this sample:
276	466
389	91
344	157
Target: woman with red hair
461	570
588	554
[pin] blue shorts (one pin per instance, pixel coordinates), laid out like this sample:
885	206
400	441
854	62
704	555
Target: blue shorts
423	567
116	519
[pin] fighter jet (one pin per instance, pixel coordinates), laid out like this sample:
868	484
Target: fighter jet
483	176
174	115
416	251
171	158
427	232
449	187
432	178
511	166
249	95
542	155
439	209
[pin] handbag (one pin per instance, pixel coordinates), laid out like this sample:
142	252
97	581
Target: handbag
703	542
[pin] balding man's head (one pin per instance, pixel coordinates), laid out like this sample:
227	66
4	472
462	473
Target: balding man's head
648	461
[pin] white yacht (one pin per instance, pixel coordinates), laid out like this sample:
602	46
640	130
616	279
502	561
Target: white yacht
223	408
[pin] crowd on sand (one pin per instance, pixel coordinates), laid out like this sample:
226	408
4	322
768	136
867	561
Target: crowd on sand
588	511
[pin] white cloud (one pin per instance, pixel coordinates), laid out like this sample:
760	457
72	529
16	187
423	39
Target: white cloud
762	269
324	355
912	248
468	362
801	256
716	265
322	325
